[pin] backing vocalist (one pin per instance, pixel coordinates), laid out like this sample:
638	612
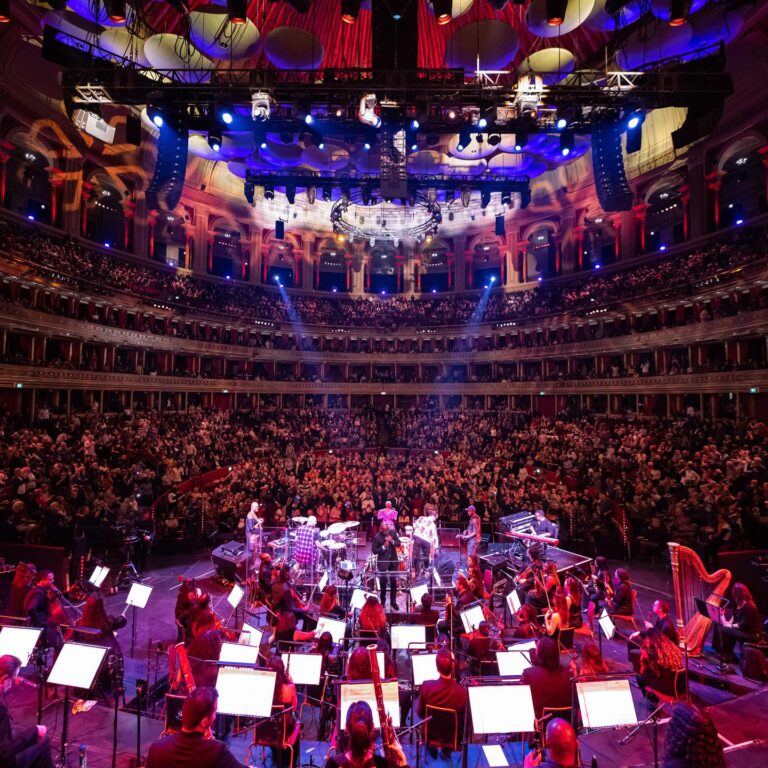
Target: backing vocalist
384	546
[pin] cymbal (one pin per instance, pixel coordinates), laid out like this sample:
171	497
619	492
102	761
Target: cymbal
278	544
299	520
352	523
331	545
334	529
324	534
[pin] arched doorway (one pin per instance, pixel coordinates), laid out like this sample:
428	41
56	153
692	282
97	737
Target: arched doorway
171	240
541	252
486	264
600	242
435	274
742	193
104	218
28	187
384	271
664	215
331	272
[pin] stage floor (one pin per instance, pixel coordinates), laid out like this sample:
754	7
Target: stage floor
155	630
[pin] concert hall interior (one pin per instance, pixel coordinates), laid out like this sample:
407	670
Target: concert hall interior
383	383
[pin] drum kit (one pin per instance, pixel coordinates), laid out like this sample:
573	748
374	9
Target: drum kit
338	542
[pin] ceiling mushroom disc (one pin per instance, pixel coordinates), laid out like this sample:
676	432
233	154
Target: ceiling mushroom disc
487	44
216	36
293	48
576	12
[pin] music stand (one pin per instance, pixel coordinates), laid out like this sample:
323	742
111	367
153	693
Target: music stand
239	654
245	691
19	642
501	709
234	598
137	598
605	622
606	703
471	617
97	577
513	662
424	666
715	614
336	627
305	668
405	636
250	635
357	601
494	756
76	666
513	602
417	591
349	692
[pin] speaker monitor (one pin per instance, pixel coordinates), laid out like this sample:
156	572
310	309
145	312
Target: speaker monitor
279	229
230	561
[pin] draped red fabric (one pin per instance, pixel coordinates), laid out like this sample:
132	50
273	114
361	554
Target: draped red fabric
349	45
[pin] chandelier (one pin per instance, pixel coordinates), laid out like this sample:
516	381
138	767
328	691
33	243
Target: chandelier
385	221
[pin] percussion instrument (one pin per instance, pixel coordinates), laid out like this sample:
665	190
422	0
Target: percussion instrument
276	544
404	553
346	569
298	520
324	534
332	546
352	523
335	529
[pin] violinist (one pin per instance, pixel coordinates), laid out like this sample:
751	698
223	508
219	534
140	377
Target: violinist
329	603
599	588
186	600
526	579
622	601
556	618
425	614
540	596
527	624
95	617
283	596
373	620
284	697
193	746
43	609
481	650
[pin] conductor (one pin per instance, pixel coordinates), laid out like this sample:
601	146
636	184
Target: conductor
384	547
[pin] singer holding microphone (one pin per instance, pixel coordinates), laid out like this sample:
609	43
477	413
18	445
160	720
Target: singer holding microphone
384	546
473	532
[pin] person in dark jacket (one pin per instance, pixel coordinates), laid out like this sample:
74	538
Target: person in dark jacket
550	681
193	746
744	627
20	747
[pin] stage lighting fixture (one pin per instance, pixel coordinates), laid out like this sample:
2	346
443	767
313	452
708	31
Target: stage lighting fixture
156	112
308	119
214	141
365	113
466	196
349	10
506	199
678	12
566	143
269	192
290	193
249	187
500	231
226	116
414	126
327	193
115	10
635	132
561	123
485	198
397	8
494	139
556	12
521	139
443	9
260	106
311	195
482	123
237	10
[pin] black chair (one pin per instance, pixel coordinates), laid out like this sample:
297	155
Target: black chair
442	730
277	733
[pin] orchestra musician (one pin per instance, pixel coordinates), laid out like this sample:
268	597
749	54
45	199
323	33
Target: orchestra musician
43	609
542	526
473	532
283	596
426	542
481	650
329	603
742	627
23	579
599	588
664	623
95	617
544	587
425	614
20	747
194	746
307	540
622	601
384	546
527	623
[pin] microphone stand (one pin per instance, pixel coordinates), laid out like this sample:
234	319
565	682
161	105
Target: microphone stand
116	669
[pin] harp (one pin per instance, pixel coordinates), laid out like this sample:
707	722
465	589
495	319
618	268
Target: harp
691	580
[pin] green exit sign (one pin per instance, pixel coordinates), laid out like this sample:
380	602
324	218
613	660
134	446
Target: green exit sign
19	385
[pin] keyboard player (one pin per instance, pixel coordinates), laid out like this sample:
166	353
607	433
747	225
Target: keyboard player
543	527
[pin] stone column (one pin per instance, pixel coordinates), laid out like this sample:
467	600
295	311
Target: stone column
714	183
685	200
640	212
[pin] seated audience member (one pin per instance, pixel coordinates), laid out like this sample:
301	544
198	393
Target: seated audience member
193	746
361	742
692	740
561	745
425	615
481	650
445	691
660	658
20	747
527	624
550	681
744	627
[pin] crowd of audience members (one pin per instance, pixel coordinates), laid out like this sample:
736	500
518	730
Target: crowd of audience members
78	267
609	483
